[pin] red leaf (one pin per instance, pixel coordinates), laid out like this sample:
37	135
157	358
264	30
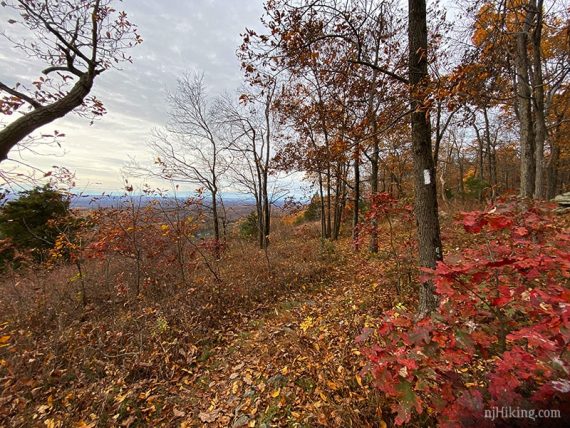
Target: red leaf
473	222
504	296
520	232
499	222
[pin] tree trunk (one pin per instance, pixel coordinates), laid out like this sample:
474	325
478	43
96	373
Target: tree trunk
266	214
337	203
322	204
430	248
524	101
259	212
356	202
491	155
461	172
216	223
374	160
329	204
480	162
374	189
538	96
552	171
266	157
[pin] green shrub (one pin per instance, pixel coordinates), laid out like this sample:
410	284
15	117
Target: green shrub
248	227
35	219
475	187
312	211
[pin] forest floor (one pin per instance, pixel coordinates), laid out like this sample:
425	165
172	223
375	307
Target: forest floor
283	353
273	342
296	365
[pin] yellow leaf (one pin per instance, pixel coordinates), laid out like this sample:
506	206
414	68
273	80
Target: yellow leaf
43	408
235	387
359	380
251	423
307	323
332	385
4	339
383	424
120	398
284	370
275	393
144	395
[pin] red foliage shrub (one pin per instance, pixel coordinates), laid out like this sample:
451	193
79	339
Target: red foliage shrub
501	335
153	236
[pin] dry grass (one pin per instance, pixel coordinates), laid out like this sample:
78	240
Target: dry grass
74	360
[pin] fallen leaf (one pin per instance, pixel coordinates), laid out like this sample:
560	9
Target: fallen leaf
359	380
208	417
178	413
306	324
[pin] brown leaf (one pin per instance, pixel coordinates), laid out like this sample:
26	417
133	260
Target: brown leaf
178	413
209	417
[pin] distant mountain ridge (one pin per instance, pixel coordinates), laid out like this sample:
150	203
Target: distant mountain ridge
115	201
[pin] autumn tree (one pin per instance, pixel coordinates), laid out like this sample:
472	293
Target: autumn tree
321	36
305	106
77	41
529	32
558	161
318	143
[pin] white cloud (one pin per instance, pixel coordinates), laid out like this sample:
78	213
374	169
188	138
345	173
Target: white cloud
179	36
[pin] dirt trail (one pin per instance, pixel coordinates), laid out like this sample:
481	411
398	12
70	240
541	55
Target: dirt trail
297	365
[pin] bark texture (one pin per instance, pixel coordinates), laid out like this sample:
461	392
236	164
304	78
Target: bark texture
524	108
426	211
40	116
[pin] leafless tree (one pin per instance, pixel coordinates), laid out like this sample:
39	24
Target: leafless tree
190	148
250	128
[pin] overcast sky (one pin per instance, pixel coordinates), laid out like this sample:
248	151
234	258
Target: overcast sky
179	36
